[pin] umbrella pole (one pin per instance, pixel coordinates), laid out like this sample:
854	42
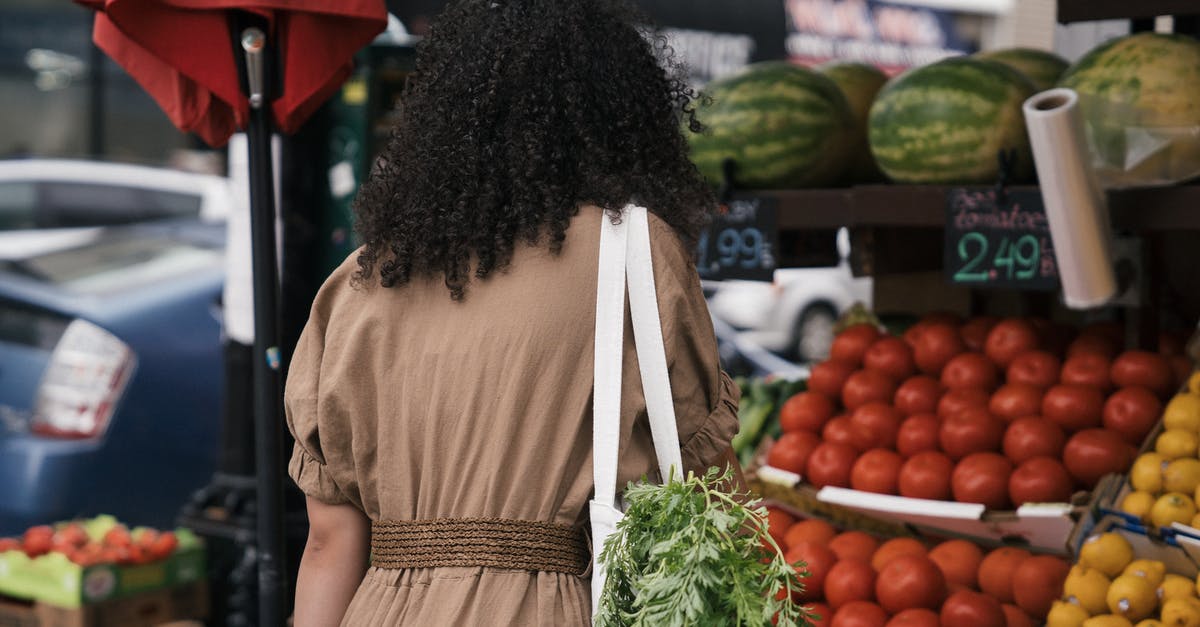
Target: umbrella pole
268	395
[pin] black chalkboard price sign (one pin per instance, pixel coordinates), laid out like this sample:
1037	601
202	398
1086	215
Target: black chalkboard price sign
742	241
995	240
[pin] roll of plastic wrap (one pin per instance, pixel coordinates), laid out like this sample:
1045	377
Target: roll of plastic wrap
1075	204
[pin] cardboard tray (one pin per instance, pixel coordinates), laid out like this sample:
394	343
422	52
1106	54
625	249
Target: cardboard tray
146	609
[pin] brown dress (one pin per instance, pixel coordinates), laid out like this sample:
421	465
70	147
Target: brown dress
410	406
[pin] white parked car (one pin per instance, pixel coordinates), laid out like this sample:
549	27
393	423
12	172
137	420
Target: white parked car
795	315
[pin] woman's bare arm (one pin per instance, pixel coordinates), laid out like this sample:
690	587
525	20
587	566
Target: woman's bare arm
334	562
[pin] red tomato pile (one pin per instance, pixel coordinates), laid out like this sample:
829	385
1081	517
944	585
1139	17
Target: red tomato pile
990	411
118	546
854	580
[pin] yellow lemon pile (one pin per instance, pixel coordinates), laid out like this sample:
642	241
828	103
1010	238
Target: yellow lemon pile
1166	481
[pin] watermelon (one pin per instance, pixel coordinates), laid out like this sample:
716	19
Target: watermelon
1139	96
1041	67
783	125
859	82
947	123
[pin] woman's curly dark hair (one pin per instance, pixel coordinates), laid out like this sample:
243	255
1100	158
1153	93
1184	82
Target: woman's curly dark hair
520	111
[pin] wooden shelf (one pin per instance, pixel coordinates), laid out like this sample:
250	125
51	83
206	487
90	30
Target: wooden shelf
924	206
1088	10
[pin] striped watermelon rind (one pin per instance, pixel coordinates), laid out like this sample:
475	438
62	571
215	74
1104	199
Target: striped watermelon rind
1042	67
783	125
860	83
947	122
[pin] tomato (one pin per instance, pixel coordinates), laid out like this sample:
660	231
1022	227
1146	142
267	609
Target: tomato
962	399
1073	407
997	569
891	356
918	433
1087	369
982	478
830	464
824	614
792	451
828	377
1014	400
1093	453
859	614
850	345
878	471
875	425
926	475
1038	583
1010	338
778	522
809	530
839	430
806	411
1181	367
1040	480
865	386
910	581
970	370
894	548
959	561
971	431
918	395
975	332
853	545
1092	345
1033	436
972	609
1146	369
934	344
1037	368
1132	412
915	617
849	580
818	560
1016	617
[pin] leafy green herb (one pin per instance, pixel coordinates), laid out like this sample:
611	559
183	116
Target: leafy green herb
690	553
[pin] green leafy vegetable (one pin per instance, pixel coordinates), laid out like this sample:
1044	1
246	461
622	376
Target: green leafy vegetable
690	553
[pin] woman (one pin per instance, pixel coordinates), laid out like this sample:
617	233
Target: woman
440	394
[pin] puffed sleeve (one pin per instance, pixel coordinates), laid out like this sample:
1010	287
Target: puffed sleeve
706	399
302	402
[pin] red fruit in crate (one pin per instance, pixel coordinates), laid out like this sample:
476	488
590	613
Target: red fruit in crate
139	554
1037	368
1132	412
812	530
918	395
851	344
878	471
935	344
910	581
982	478
113	555
1087	369
975	332
1016	617
828	377
891	356
1146	369
996	572
839	430
118	537
823	614
859	614
970	431
875	425
164	545
893	549
959	562
970	370
1033	436
1040	480
849	580
1014	400
918	433
1093	453
1073	407
778	522
830	465
867	386
1038	583
915	617
71	534
972	609
37	540
956	401
792	451
9	544
1008	339
926	475
853	545
806	411
818	560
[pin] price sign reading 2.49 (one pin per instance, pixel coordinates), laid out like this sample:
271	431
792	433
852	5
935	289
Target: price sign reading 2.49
741	242
1002	242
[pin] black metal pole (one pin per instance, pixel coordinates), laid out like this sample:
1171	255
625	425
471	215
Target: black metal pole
96	98
268	393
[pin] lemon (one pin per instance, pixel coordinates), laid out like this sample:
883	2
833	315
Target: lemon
1107	620
1064	614
1182	475
1152	570
1132	596
1183	412
1109	553
1177	443
1176	587
1180	613
1193	385
1138	504
1087	587
1146	475
1171	508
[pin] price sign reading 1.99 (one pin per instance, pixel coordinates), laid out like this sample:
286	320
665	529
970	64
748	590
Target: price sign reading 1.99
998	241
741	242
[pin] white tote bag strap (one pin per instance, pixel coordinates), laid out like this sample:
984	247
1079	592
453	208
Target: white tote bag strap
610	339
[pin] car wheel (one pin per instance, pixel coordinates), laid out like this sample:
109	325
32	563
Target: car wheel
814	333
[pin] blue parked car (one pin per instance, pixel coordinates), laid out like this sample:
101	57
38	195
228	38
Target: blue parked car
110	375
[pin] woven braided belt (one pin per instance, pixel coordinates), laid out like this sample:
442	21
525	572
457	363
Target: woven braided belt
491	542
